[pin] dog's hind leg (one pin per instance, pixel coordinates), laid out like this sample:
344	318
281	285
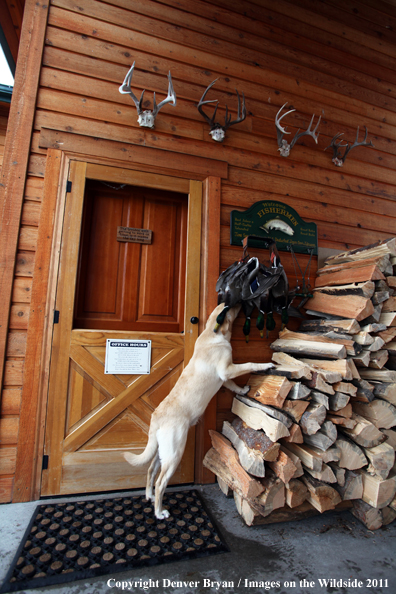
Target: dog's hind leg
171	444
151	475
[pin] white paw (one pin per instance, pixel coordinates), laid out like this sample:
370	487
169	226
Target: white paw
244	390
162	515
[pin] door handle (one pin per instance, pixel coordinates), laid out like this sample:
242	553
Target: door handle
194	320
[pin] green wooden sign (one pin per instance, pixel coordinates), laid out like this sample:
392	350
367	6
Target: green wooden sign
277	221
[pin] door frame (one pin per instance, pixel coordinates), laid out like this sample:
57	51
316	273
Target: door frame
208	259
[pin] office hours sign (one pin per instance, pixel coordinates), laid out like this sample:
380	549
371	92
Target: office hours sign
131	357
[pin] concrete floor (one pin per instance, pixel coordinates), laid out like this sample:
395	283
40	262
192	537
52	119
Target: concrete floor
284	558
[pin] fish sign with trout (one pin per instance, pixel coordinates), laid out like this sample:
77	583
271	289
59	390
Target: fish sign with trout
275	220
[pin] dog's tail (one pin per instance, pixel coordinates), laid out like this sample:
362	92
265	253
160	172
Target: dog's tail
146	456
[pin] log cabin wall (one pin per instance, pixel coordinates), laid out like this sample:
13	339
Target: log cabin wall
332	58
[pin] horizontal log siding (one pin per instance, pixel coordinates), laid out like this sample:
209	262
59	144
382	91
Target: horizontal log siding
333	58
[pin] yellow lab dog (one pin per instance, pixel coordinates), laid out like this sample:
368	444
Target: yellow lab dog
209	368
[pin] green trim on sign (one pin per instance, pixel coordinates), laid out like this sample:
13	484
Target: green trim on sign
275	220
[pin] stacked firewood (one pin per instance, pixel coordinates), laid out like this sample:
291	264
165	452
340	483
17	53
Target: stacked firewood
318	432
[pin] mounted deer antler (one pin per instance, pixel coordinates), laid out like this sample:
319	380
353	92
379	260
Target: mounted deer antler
217	131
284	146
337	159
147	117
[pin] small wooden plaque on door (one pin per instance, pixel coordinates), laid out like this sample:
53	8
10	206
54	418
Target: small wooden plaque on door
133	235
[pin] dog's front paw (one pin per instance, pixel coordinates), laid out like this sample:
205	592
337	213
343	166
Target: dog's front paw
244	390
162	514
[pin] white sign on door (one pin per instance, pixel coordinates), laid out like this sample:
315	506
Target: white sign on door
131	357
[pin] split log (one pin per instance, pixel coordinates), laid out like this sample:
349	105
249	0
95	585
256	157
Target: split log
307	455
250	460
272	497
351	306
365	391
339	473
269	389
317	383
390	434
380	297
368	515
358	274
388	319
257	441
338	401
332	454
302	347
290	366
374	317
343	366
326	475
373	327
321	495
393	503
388	335
380	412
352	457
385	247
378	359
214	463
271	411
345	388
258	419
296	461
299	391
352	487
295	408
324	438
363	338
389	305
295	435
313	418
391	281
249	515
224	488
320	398
379	375
376	345
349	344
363	359
284	467
349	423
364	432
248	486
378	492
345	412
382	460
296	493
340	325
388	515
364	289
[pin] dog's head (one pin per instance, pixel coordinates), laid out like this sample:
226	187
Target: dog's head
226	325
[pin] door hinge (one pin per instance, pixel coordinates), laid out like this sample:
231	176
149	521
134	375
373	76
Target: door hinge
68	186
45	462
56	316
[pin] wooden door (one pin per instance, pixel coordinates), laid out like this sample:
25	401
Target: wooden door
107	289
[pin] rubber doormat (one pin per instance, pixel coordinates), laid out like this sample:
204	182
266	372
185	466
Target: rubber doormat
71	541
